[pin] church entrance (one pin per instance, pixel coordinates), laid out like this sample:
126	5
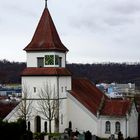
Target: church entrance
37	124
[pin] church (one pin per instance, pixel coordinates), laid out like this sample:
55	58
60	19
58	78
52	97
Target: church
80	103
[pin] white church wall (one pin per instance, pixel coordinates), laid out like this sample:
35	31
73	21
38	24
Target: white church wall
35	84
81	118
35	112
133	122
32	58
39	82
129	124
102	126
64	85
63	115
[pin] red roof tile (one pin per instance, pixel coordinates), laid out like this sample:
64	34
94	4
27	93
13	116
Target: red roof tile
116	107
46	37
91	97
6	108
46	72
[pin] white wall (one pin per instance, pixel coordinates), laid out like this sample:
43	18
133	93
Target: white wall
64	85
129	124
39	82
133	122
32	58
81	118
112	120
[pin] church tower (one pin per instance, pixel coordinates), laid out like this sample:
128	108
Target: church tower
46	66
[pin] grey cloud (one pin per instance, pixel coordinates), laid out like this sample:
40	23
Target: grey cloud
98	24
118	20
125	7
105	15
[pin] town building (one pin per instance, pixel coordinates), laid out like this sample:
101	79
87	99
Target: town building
81	103
118	90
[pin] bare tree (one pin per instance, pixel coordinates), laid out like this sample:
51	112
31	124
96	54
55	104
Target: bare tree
24	107
48	104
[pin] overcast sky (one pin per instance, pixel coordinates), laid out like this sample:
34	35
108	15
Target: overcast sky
93	30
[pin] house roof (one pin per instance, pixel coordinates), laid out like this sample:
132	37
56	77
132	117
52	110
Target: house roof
94	100
49	71
46	37
5	108
115	107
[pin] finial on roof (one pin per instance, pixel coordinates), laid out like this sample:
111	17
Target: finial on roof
46	3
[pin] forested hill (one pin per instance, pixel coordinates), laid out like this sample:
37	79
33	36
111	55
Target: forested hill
109	72
10	71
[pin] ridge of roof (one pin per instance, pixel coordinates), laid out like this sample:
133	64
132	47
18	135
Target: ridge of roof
46	37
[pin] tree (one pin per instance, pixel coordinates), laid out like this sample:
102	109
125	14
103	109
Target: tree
24	107
49	104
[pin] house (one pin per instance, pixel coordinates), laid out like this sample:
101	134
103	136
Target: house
115	90
6	91
82	103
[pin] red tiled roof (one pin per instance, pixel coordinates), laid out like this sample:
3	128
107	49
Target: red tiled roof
91	97
87	93
46	71
6	108
115	107
46	37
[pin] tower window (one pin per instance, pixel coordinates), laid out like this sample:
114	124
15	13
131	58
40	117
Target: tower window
34	89
49	59
56	60
40	62
60	61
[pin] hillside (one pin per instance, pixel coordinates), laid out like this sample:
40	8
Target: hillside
109	72
10	71
106	72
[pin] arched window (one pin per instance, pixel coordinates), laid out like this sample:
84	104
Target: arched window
37	124
70	124
29	126
61	118
107	127
45	126
117	127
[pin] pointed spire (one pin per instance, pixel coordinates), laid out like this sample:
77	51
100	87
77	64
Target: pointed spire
46	37
46	3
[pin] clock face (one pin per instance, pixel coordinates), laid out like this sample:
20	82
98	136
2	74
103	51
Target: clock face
49	59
